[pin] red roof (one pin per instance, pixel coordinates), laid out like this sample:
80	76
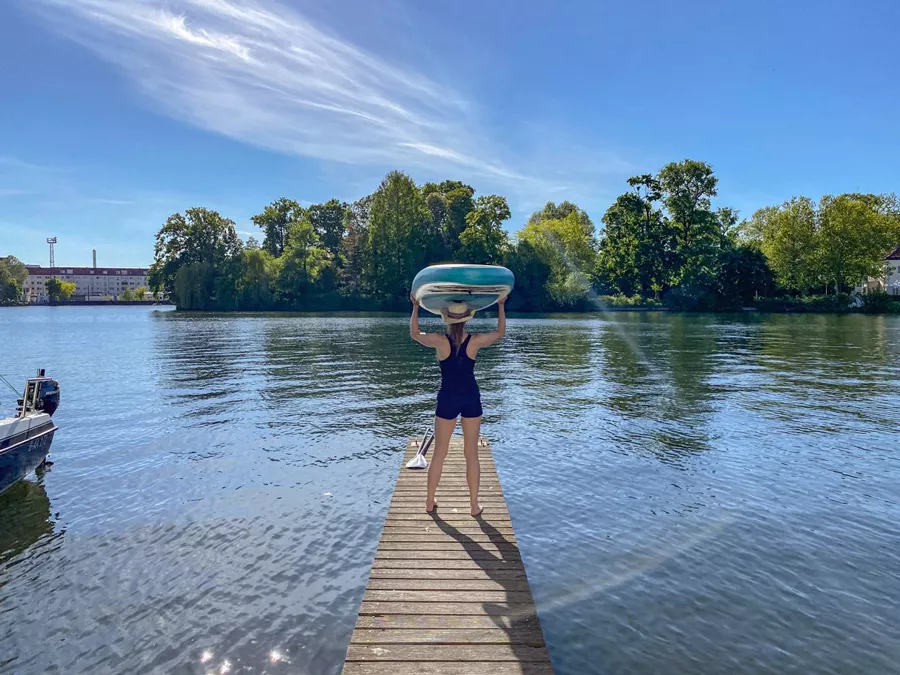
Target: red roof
110	271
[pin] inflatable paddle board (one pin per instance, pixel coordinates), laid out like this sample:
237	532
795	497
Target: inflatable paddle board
476	286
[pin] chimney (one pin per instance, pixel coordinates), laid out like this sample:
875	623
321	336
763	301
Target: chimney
95	258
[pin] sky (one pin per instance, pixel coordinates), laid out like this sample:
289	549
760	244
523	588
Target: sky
115	114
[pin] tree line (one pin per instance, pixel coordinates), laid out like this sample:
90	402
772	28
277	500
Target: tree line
661	242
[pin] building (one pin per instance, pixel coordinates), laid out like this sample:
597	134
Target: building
91	283
889	282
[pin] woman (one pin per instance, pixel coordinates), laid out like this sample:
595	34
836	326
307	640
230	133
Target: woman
459	395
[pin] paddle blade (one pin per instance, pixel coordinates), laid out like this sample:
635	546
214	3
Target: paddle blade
417	462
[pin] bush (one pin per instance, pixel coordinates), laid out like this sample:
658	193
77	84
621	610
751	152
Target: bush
635	300
810	303
879	302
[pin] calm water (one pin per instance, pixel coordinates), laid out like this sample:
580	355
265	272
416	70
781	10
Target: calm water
692	494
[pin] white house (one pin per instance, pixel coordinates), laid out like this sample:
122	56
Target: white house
889	282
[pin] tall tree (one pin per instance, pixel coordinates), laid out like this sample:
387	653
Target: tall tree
787	237
354	248
569	248
449	203
687	188
275	220
484	240
199	237
302	263
532	269
258	275
13	275
743	275
855	232
328	221
397	222
636	252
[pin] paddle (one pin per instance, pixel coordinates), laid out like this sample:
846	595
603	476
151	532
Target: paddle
419	461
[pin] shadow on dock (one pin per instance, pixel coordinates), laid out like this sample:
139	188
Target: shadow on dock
507	571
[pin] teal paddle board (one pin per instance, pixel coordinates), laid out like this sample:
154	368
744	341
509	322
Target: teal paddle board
476	286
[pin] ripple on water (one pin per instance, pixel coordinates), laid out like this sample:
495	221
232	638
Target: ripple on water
691	493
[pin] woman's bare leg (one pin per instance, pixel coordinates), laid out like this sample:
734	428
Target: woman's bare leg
471	432
443	430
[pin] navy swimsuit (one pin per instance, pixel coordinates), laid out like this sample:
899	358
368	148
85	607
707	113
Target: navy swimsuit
459	393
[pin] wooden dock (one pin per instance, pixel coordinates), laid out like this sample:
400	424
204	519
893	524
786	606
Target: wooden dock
447	593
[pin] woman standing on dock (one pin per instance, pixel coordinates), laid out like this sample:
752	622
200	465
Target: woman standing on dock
459	395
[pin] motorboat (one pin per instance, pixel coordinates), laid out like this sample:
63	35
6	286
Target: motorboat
25	438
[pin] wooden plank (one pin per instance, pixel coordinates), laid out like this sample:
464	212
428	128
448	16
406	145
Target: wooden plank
432	584
419	573
412	528
441	536
389	652
447	593
447	608
446	622
459	554
448	545
449	636
446	596
447	668
485	565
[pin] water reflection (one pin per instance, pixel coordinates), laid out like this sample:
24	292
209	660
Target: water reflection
24	519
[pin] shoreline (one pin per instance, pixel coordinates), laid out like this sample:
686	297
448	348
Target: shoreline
519	314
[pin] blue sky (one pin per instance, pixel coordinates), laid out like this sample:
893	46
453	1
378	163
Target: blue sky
116	113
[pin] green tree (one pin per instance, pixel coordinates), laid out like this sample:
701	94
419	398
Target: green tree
449	203
553	211
636	252
687	188
855	233
484	240
302	263
13	275
328	221
194	287
570	250
787	237
397	223
201	238
532	268
275	220
126	295
140	292
743	275
59	291
256	284
353	251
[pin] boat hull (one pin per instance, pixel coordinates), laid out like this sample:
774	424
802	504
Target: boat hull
23	453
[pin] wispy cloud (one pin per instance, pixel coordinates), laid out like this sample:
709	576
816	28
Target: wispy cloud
264	74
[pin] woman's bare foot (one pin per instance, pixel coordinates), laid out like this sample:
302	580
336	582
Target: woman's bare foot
476	510
430	505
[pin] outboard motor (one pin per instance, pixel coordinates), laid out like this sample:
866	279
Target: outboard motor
41	395
48	398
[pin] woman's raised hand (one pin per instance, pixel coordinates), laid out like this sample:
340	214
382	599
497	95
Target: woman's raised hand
413	300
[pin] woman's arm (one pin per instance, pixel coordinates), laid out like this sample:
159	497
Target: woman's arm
487	339
417	335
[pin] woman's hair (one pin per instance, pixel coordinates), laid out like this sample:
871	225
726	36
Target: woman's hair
455	332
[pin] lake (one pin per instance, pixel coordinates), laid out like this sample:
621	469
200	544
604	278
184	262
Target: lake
691	493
